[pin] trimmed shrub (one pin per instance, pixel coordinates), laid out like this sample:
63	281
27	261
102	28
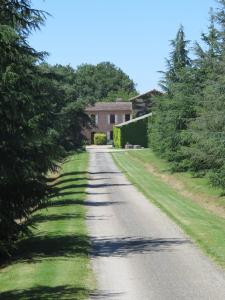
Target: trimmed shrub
135	133
117	137
100	139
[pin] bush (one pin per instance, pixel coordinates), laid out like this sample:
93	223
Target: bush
117	137
100	139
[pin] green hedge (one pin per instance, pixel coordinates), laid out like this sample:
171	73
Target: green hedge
117	137
135	133
100	139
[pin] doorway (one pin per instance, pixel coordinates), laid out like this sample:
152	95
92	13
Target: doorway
92	137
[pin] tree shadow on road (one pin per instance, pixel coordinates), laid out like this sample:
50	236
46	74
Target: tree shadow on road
101	295
63	181
90	186
133	245
105	172
86	173
70	189
66	202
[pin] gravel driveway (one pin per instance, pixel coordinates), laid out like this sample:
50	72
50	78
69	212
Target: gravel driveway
138	253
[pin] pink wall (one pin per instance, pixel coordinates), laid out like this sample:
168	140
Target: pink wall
102	119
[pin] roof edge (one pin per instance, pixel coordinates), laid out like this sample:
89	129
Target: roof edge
133	120
154	91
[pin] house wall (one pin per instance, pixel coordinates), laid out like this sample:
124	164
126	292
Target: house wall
102	120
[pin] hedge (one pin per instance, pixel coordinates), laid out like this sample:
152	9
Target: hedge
134	132
100	139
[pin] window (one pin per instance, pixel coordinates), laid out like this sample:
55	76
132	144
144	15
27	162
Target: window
112	119
111	135
94	119
127	117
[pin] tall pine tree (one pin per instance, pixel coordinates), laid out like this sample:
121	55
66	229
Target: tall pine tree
208	130
174	110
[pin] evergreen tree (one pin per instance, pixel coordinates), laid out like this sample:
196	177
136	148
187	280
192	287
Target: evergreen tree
208	130
177	62
21	177
188	124
174	110
40	119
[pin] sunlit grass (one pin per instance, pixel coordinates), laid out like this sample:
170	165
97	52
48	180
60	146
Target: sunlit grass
192	183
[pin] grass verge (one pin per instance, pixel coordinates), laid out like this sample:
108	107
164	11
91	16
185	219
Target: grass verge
192	183
205	228
54	263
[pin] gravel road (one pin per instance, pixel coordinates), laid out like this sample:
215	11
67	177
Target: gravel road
138	253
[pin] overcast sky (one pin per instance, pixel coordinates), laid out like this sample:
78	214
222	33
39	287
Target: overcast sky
132	34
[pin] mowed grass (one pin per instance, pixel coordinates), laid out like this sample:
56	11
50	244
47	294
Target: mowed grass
54	262
191	183
205	228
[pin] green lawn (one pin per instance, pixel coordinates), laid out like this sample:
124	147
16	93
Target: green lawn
194	184
205	228
54	262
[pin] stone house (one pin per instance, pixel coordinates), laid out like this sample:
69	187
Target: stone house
105	115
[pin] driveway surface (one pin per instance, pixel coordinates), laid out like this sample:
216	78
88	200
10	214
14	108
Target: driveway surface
138	253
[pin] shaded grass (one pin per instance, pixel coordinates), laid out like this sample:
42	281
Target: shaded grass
54	263
45	292
205	228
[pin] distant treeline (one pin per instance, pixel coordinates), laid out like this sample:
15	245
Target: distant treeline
188	124
41	115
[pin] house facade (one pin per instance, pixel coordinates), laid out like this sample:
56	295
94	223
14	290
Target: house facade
105	115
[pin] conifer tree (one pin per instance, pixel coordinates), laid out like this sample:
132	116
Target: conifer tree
174	109
40	119
208	130
22	146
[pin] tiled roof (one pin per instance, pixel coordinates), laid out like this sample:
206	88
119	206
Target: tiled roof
109	106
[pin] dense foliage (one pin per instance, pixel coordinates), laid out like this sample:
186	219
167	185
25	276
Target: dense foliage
23	140
135	133
39	119
103	82
188	126
41	114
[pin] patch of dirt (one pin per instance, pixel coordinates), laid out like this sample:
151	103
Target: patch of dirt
208	202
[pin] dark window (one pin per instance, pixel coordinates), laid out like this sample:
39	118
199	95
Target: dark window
112	119
92	137
111	135
127	117
93	119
